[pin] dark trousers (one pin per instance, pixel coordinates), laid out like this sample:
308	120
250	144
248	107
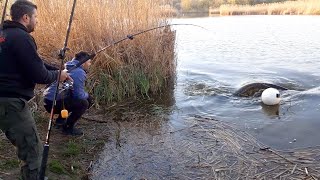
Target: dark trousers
75	107
17	123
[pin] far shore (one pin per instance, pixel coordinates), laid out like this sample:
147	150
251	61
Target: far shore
301	7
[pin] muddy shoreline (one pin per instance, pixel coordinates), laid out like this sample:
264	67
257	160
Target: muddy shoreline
122	143
205	148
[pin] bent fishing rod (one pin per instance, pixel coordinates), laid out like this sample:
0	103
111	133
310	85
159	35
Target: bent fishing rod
128	37
81	61
61	57
69	84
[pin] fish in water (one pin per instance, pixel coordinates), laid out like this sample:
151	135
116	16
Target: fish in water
256	89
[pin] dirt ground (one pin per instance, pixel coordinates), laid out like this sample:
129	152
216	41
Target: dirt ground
69	157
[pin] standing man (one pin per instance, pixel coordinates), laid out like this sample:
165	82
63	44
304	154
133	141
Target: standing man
20	69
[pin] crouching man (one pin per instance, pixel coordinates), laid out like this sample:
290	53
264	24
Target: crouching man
76	100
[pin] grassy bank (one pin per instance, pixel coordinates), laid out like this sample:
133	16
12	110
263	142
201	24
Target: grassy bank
300	7
143	66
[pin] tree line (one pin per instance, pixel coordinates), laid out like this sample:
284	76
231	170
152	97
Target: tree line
203	5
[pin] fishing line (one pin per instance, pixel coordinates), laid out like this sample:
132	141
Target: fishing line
128	37
131	36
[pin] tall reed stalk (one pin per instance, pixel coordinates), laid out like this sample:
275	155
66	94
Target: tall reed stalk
143	66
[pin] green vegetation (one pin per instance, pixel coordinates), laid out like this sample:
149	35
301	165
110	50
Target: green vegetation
2	144
72	149
9	164
193	5
56	167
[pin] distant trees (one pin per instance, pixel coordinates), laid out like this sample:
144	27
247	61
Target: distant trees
195	5
203	5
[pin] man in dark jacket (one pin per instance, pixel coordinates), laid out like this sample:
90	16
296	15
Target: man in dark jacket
77	101
20	69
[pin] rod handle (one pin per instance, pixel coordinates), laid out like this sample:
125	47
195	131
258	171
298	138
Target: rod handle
44	161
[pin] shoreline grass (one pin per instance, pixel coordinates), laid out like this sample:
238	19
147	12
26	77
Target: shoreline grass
300	7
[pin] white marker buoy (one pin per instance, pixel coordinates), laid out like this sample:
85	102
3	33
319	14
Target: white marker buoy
270	96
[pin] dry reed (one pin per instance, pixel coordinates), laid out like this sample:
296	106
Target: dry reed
204	148
143	66
300	7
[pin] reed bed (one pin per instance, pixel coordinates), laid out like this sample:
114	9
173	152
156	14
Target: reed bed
300	7
143	66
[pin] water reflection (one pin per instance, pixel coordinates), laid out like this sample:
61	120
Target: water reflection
271	111
192	14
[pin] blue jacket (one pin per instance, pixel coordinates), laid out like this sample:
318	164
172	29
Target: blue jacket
79	77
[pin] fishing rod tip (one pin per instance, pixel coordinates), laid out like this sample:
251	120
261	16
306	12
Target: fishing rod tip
130	37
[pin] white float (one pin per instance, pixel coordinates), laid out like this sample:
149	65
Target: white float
270	96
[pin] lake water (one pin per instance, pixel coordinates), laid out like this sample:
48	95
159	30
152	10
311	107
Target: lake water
239	50
213	63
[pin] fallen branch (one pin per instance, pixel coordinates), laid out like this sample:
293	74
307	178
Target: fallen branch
264	172
278	175
294	168
274	152
4	157
95	120
5	173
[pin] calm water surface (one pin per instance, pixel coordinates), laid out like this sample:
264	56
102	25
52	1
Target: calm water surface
212	64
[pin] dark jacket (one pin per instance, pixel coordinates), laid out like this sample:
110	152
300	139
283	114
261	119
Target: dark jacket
79	77
20	65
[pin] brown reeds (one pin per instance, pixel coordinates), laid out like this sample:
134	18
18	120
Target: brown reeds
300	7
143	66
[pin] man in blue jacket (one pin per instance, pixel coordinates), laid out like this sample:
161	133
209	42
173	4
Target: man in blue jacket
77	101
21	69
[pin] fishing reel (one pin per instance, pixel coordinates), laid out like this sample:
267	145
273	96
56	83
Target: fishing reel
68	84
65	89
65	92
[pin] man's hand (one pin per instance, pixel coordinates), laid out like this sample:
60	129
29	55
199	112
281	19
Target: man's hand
65	76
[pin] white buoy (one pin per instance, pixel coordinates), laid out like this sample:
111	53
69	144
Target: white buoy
270	96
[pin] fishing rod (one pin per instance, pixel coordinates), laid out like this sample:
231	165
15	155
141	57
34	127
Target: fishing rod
62	57
68	84
129	37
